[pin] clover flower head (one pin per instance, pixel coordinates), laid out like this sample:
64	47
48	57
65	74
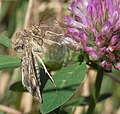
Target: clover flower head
95	28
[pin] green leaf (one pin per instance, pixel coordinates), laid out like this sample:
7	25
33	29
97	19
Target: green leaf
53	65
67	80
5	41
17	86
9	62
81	101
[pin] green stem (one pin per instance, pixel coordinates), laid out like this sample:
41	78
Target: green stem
96	91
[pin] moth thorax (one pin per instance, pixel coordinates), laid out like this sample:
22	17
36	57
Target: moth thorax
36	30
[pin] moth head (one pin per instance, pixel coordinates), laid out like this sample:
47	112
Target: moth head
18	43
19	47
36	30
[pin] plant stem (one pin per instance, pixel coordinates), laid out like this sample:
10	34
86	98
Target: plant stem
96	91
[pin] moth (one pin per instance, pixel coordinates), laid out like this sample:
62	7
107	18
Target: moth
30	45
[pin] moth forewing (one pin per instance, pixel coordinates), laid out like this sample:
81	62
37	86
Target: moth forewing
31	75
46	71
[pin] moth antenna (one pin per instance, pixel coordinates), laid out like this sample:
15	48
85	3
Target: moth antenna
42	17
41	20
46	71
60	23
53	42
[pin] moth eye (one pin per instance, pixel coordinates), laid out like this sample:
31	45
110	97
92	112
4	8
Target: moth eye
19	48
36	31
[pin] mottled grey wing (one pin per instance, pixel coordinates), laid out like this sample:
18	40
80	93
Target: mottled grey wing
31	74
30	70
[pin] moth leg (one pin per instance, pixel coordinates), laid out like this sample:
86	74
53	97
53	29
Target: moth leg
51	42
46	71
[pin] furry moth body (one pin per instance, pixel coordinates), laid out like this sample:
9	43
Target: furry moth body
28	45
